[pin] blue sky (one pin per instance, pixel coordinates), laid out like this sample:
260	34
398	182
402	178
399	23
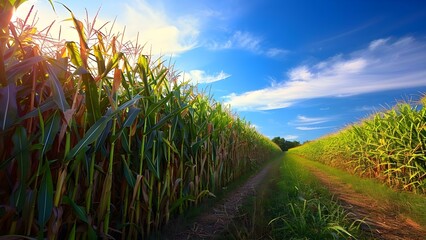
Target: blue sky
297	69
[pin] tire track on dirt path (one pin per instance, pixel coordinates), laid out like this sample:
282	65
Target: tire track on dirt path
383	221
215	221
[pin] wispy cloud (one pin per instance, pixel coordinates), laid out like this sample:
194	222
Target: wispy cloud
304	123
200	76
291	137
383	65
248	42
303	120
311	128
366	109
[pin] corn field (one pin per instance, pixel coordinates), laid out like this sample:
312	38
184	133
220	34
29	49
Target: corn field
99	140
389	146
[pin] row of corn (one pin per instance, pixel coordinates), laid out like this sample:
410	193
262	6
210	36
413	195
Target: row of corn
99	140
389	146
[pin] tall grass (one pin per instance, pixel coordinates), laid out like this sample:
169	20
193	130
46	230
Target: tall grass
389	146
99	140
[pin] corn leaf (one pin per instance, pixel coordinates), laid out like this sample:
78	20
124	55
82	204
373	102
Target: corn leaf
78	210
100	61
51	130
22	67
58	92
8	106
74	54
91	135
17	198
131	180
45	197
21	149
92	99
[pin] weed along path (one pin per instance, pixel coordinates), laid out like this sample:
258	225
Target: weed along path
383	219
214	222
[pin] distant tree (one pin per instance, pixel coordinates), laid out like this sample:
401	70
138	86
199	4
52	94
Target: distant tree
284	144
280	142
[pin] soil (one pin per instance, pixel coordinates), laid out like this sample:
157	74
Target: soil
215	221
381	221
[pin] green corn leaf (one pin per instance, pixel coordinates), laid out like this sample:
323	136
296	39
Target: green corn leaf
58	92
17	198
127	104
112	63
125	140
51	130
71	235
79	211
21	149
79	28
152	164
91	232
165	119
103	137
100	61
96	130
155	106
22	67
74	53
131	116
91	135
8	106
92	99
131	180
45	197
143	66
47	105
181	201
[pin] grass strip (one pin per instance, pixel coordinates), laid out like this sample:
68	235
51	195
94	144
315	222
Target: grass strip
291	204
404	203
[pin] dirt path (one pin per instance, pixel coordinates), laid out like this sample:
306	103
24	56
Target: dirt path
383	221
214	222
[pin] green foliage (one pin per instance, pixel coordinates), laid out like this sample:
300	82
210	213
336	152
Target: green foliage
284	144
99	140
389	146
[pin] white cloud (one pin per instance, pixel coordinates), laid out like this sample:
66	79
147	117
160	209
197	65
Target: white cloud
300	73
310	128
303	120
388	65
377	43
240	40
291	137
166	36
366	108
248	42
200	76
160	33
274	52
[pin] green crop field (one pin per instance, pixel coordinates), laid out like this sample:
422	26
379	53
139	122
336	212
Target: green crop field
99	140
389	146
